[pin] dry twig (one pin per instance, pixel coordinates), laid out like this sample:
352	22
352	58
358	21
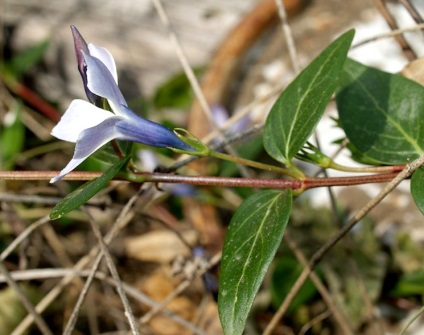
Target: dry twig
25	301
382	8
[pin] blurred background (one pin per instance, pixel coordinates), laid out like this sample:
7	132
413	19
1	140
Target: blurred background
239	53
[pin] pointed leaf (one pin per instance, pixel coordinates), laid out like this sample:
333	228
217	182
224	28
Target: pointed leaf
381	113
417	188
82	194
252	240
297	111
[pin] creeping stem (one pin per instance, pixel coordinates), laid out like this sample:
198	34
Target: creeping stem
140	177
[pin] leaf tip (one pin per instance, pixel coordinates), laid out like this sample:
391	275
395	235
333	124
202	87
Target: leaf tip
54	215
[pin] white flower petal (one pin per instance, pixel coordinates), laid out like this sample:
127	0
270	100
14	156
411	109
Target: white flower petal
89	141
79	116
105	57
71	165
101	83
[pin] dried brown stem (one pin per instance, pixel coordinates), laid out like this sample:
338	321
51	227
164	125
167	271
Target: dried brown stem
412	11
384	11
123	219
25	301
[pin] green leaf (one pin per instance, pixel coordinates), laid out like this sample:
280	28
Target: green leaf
297	111
252	240
409	284
285	274
359	156
22	62
381	113
174	93
417	188
107	153
12	137
82	194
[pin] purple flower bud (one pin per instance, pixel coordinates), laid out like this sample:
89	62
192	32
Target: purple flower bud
80	48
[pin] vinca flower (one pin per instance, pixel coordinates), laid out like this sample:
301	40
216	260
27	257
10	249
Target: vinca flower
90	126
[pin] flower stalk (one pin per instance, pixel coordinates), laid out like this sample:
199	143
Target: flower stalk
292	171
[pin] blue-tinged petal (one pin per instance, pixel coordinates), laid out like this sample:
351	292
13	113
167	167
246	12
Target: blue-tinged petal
137	129
101	82
71	166
89	141
220	116
105	57
79	116
81	47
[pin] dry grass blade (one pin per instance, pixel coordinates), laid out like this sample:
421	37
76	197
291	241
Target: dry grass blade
294	58
412	11
70	325
112	268
37	274
12	246
314	321
25	301
393	33
332	308
184	285
382	8
123	219
412	320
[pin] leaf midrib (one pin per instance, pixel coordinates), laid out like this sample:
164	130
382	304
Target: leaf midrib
259	232
409	139
311	84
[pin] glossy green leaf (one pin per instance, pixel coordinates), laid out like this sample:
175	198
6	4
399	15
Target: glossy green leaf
417	188
297	111
82	194
381	113
252	240
359	156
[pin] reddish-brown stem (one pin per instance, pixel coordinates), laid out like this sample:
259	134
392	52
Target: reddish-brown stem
348	181
207	180
34	100
222	181
117	150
